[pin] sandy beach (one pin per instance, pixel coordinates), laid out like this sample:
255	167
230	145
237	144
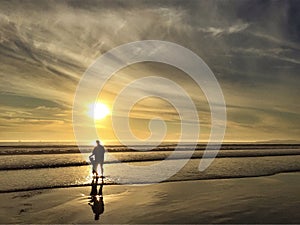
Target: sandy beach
270	199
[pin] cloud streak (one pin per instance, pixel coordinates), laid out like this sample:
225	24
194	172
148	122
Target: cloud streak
219	31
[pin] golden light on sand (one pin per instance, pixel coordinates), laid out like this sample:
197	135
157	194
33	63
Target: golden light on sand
99	111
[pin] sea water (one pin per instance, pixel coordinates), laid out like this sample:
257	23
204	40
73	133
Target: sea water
37	166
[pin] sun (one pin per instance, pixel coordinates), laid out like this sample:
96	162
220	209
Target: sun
99	111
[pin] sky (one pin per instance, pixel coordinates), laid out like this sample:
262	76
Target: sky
252	47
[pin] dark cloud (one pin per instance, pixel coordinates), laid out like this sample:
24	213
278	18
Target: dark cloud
12	100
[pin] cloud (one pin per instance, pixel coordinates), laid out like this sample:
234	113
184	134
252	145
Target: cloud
218	31
252	48
276	53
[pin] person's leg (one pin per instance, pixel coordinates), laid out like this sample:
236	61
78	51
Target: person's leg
102	171
96	168
93	167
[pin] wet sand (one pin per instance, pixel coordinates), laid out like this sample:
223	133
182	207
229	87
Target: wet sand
270	199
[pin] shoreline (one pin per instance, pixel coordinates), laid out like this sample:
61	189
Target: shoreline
133	184
268	199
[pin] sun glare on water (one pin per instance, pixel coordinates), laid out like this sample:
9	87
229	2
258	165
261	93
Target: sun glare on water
99	111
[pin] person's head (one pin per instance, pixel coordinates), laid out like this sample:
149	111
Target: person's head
98	142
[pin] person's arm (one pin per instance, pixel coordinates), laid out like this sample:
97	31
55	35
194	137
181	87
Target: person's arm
93	153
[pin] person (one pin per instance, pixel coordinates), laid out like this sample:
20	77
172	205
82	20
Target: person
98	154
94	166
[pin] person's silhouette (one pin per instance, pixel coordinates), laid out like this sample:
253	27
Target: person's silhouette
97	157
96	201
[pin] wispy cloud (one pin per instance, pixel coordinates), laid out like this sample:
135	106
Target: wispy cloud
218	31
275	53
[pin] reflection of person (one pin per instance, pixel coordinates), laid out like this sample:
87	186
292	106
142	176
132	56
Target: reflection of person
98	154
96	201
94	187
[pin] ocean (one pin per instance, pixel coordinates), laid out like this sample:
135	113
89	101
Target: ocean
34	166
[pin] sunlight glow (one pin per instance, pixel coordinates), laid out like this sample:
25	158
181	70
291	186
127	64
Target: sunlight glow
99	111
